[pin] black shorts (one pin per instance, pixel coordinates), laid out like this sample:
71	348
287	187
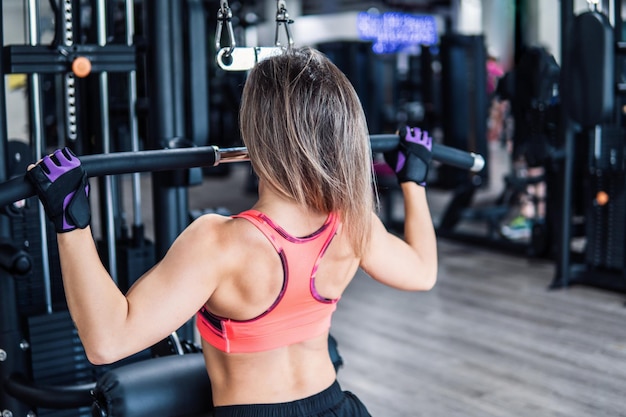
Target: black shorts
330	402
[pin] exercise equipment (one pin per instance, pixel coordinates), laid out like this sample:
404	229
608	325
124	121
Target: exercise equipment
464	104
470	215
593	47
235	58
37	337
589	70
168	386
167	159
43	368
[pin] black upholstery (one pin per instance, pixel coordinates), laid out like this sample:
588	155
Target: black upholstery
172	386
588	87
168	386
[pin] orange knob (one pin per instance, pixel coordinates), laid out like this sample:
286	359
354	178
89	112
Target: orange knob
602	198
81	67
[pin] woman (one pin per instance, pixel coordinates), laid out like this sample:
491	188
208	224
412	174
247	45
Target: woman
263	283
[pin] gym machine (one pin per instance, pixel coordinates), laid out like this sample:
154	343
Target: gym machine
42	365
473	213
43	369
593	134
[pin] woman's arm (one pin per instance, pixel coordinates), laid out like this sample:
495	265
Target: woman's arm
409	264
112	325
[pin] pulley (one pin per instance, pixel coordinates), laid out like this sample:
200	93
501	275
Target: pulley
233	58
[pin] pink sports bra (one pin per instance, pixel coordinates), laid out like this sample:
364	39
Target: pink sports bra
298	313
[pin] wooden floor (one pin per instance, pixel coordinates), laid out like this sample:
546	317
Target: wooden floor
488	340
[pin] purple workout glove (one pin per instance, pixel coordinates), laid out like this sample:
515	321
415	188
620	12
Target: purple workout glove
410	162
63	189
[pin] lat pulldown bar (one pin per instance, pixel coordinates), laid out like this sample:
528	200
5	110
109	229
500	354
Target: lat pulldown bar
116	163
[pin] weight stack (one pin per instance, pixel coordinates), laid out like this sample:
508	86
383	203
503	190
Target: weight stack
606	203
30	288
58	358
605	223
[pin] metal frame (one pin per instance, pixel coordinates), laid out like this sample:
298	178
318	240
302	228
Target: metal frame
568	269
20	395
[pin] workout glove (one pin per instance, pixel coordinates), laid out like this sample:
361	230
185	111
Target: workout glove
62	187
410	162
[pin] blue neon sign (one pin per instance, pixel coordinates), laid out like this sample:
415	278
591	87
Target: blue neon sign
394	31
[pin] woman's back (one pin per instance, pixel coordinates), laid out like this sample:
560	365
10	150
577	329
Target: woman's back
253	288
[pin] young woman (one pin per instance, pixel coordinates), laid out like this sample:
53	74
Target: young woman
263	283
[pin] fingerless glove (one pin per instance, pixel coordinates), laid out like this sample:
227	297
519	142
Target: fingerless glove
62	186
412	159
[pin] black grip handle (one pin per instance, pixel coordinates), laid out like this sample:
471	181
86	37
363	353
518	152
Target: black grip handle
98	165
441	153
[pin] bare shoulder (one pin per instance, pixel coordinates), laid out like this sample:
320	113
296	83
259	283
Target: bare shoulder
225	236
209	223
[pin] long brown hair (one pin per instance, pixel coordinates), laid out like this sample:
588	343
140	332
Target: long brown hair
307	137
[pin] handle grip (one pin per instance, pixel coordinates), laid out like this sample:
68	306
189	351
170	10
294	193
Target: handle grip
98	165
441	153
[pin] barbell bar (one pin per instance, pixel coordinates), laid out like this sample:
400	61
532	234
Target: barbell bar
116	163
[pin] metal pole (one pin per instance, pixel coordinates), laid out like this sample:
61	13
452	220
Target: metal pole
617	23
37	140
5	229
178	68
163	120
567	134
4	157
132	114
106	145
178	84
198	74
13	359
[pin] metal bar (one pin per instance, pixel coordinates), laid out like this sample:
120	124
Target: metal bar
26	59
4	154
178	68
180	210
106	145
132	114
198	75
37	139
163	122
206	156
563	267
